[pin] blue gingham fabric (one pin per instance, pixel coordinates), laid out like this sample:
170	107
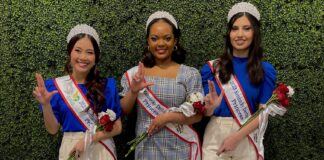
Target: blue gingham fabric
172	92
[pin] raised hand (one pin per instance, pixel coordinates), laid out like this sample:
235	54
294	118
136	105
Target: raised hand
40	92
212	100
138	82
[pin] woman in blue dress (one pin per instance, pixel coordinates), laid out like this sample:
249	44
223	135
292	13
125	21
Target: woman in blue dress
73	102
247	82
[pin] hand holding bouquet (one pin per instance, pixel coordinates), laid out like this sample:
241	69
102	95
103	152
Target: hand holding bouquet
105	123
277	104
194	104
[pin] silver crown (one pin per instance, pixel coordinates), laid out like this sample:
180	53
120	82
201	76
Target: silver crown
161	14
243	7
83	28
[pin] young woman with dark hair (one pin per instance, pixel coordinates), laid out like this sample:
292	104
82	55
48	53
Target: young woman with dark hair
76	101
159	86
254	66
247	83
178	55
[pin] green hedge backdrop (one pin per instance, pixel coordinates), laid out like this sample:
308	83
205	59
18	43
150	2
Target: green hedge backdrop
33	39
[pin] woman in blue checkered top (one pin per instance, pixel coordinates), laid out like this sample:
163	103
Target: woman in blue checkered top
167	83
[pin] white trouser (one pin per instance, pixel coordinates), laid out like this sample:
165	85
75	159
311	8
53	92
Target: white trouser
71	138
217	130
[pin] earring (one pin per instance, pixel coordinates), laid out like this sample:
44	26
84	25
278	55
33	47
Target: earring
148	48
175	48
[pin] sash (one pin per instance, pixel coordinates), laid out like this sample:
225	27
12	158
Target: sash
153	106
237	102
77	103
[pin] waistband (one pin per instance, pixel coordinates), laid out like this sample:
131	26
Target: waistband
223	120
73	134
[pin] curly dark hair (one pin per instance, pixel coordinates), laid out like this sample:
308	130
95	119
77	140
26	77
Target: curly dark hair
178	55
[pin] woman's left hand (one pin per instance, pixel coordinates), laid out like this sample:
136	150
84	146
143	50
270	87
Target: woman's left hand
78	149
157	123
212	100
229	143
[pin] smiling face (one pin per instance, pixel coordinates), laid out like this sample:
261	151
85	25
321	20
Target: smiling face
82	57
241	36
161	41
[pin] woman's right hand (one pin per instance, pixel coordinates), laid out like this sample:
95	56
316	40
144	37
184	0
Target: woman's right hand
40	92
138	82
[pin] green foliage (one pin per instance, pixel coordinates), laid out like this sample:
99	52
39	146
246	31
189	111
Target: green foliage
33	39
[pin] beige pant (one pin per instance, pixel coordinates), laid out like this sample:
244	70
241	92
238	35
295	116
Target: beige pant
71	138
216	131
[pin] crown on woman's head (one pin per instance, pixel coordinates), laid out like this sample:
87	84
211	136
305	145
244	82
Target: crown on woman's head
83	28
161	14
243	7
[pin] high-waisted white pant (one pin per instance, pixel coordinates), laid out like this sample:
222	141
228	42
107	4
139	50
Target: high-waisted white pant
71	138
217	130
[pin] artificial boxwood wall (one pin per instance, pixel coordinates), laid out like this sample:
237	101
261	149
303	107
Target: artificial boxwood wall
33	39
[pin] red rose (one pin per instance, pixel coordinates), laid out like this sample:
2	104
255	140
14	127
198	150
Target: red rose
104	119
281	97
282	88
199	107
285	102
109	127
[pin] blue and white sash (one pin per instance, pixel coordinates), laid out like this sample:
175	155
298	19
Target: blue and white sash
238	104
153	106
78	103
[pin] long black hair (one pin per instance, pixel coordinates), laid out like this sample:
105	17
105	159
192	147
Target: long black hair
94	83
225	65
178	55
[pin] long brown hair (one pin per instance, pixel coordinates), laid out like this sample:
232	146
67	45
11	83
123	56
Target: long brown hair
94	83
225	65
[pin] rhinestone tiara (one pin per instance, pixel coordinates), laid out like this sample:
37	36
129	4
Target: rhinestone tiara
161	14
243	7
82	28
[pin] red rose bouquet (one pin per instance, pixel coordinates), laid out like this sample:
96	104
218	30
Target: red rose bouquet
277	104
105	123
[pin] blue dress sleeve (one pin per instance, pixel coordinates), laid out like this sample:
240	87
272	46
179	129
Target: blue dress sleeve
269	82
112	98
206	74
55	101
